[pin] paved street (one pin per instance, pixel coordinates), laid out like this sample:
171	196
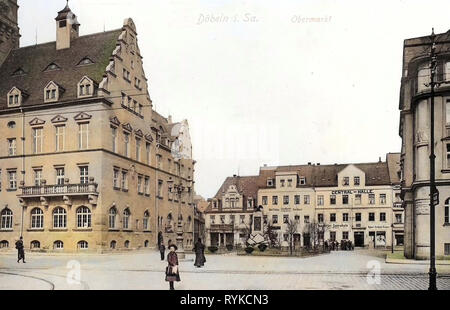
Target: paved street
144	270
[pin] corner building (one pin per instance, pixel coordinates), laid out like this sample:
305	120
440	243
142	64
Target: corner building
86	164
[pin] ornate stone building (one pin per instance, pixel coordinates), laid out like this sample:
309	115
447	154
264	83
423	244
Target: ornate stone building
86	164
415	134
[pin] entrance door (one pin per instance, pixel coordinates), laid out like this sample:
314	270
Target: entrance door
359	238
306	240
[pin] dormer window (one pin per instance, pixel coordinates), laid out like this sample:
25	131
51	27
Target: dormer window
52	67
14	97
18	72
269	182
302	181
52	92
85	61
85	87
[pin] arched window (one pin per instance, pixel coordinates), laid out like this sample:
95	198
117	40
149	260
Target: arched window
37	218
58	245
113	244
35	244
169	219
6	219
82	245
112	217
146	244
446	211
4	244
126	244
59	218
83	217
145	221
126	218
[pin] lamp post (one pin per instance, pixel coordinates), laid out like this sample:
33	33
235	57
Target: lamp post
432	272
180	251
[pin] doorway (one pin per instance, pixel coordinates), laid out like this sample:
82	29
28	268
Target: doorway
359	238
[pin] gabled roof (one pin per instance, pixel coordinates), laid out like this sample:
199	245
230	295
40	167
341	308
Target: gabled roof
34	59
246	186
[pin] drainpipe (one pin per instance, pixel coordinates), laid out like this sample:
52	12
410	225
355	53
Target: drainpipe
23	165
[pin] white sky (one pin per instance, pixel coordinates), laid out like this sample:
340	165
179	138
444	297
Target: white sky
270	91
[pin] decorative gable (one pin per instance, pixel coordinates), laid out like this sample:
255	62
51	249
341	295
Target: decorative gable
115	121
15	97
139	133
59	119
127	126
36	122
149	138
85	87
83	116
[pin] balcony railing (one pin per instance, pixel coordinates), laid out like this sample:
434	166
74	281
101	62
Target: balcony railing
55	190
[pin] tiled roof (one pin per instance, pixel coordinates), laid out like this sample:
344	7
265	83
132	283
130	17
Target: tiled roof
326	175
33	60
247	186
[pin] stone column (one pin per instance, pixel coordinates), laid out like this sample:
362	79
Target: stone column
422	224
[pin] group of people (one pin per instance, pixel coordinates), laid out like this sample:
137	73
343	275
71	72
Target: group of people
344	245
172	270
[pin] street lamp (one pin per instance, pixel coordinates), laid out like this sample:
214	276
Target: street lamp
179	189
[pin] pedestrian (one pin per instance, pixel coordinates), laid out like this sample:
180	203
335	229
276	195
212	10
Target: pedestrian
20	250
172	272
199	250
162	250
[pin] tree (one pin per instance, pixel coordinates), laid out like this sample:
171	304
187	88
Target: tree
291	230
270	234
316	232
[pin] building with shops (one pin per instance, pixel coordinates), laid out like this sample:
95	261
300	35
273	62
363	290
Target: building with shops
356	202
415	125
228	217
86	164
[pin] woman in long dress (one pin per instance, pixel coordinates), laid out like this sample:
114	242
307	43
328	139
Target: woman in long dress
172	272
199	250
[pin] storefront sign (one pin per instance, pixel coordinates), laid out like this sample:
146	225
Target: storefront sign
354	191
378	226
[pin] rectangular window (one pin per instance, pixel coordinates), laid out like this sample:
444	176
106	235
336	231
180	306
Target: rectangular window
320	200
345	235
114	139
345	199
297	199
264	200
84	175
320	218
399	218
212	219
448	155
159	161
274	219
139	185
37	140
333	217
345	217
126	140
356	181
371	217
286	218
282	183
160	184
12	147
116	178
332	199
306	219
274	200
124	100
285	200
383	199
302	180
138	149
332	235
60	136
372	199
447	105
147	185
124	184
147	152
83	136
382	217
37	177
289	182
446	248
346	181
60	176
306	199
12	179
242	219
357	199
358	217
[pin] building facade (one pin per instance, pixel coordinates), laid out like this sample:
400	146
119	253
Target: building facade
415	121
356	202
86	164
229	215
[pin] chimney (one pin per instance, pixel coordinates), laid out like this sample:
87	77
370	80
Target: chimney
309	164
67	28
318	164
379	159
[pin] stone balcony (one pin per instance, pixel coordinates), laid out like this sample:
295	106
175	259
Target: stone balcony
66	192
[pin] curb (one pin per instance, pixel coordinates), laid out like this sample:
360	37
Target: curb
415	262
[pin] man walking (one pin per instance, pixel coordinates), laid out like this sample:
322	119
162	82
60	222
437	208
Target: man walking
20	250
199	250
